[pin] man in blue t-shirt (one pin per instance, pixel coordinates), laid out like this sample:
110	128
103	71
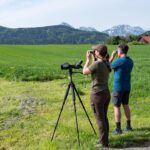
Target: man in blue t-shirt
122	85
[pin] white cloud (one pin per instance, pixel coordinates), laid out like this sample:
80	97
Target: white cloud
29	12
4	2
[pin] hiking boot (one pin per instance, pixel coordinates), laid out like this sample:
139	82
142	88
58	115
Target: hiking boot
128	129
100	145
117	131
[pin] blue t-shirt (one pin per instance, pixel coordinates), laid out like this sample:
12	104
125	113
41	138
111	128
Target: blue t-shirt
122	74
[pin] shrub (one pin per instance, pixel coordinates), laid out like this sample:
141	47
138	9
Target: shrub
136	43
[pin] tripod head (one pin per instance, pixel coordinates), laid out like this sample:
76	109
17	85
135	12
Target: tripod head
68	66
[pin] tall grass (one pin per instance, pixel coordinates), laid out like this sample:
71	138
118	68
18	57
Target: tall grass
29	110
37	63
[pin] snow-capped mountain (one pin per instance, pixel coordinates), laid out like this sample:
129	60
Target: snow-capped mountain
123	30
87	29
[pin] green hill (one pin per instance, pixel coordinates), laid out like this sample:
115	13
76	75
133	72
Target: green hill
58	34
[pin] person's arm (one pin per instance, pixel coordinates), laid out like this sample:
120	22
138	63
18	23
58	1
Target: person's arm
117	63
112	56
86	70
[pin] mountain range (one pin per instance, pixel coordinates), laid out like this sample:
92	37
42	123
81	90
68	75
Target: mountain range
57	34
63	34
119	30
124	30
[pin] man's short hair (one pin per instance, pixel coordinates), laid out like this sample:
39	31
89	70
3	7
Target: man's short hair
124	48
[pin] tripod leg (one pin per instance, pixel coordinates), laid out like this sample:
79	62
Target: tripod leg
65	97
75	112
84	109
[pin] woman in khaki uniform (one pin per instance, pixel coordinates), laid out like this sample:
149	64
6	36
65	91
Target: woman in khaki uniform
100	95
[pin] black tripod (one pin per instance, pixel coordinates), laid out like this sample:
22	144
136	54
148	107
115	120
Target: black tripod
73	91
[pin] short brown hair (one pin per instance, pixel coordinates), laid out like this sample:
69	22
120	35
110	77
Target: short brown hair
124	48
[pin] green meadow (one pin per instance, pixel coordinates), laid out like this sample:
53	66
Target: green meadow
32	87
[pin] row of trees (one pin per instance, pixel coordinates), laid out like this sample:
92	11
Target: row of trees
115	40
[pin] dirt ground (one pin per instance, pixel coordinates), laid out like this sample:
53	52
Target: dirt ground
145	146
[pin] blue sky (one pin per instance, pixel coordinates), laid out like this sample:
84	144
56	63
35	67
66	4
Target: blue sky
100	14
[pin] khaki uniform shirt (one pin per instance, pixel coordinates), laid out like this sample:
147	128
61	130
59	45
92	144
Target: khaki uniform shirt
99	75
